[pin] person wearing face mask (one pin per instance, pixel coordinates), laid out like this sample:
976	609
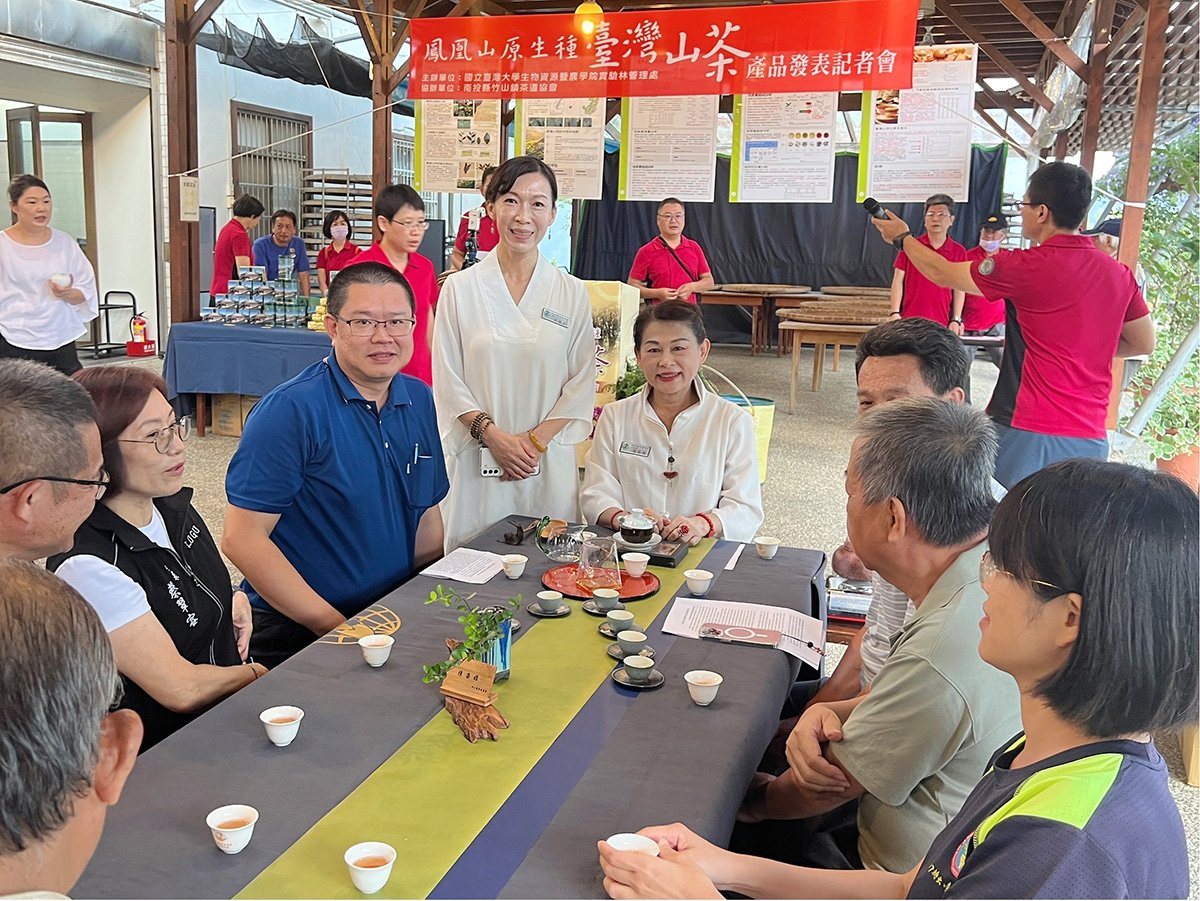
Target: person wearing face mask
337	254
144	559
675	425
980	315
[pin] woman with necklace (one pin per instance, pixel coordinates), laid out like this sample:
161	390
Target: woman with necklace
675	447
47	285
514	367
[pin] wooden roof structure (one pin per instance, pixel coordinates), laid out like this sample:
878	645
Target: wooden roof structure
1142	77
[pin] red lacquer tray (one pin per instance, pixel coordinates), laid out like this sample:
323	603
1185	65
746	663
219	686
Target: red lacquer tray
633	588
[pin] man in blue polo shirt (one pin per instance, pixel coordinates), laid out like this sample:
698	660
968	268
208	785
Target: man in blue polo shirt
333	491
283	242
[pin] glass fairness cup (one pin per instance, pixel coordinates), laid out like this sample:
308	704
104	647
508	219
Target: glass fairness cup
598	565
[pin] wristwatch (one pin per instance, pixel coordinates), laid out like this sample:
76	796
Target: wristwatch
958	320
898	241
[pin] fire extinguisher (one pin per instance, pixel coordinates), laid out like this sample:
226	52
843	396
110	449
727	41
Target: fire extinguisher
137	327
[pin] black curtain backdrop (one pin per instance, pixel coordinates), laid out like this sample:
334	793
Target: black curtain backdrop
774	243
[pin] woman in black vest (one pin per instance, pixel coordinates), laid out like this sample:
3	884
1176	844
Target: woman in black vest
146	561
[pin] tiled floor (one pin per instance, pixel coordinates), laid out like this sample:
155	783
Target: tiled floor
803	495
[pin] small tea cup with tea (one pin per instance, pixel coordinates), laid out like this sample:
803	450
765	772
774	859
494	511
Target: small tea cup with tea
376	648
282	723
370	865
703	685
549	601
766	546
619	620
631	641
232	826
514	565
698	581
631	841
635	564
638	668
606	598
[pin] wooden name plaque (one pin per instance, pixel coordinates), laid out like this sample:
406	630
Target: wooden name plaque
471	681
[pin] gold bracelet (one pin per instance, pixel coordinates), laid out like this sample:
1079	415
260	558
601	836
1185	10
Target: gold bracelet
541	448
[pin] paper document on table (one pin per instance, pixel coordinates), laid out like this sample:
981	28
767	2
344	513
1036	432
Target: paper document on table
465	565
687	615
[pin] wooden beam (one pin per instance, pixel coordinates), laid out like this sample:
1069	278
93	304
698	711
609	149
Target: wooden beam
1001	132
1098	65
183	251
200	18
996	103
1137	183
972	34
1053	42
366	26
1062	143
1127	30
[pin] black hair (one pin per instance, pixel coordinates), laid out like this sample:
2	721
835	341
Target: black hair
1064	189
488	172
22	183
279	214
510	171
670	311
393	198
940	200
1125	540
944	366
364	274
331	217
666	201
248	207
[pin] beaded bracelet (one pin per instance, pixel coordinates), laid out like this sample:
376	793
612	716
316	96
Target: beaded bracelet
479	425
712	527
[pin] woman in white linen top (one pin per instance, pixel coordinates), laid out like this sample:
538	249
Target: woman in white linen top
41	319
513	366
675	425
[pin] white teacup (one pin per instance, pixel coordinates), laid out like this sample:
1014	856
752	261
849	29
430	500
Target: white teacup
698	581
549	601
635	564
370	865
282	724
376	648
766	546
61	280
638	668
514	565
703	685
232	826
631	641
606	598
631	841
619	620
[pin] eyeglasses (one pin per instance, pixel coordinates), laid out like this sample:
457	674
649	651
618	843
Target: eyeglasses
101	484
1028	203
988	568
162	439
937	214
418	226
671	217
364	328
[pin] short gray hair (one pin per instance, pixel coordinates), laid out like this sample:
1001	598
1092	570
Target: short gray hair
41	411
60	681
937	457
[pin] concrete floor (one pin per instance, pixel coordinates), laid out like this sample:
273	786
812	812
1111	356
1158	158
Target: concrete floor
803	494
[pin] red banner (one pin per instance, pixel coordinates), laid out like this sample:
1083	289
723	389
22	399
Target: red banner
850	45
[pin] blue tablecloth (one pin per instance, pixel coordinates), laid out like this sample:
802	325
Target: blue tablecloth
211	358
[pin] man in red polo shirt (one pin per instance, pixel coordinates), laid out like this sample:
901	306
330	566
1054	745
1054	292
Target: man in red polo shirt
915	295
982	316
1071	310
671	267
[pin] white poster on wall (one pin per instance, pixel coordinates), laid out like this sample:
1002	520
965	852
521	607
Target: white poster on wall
567	133
668	148
917	142
455	141
783	148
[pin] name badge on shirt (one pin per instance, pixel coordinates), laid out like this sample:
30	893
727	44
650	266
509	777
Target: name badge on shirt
986	265
557	318
637	450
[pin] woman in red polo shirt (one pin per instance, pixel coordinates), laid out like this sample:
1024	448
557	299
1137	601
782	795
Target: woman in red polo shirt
233	243
338	253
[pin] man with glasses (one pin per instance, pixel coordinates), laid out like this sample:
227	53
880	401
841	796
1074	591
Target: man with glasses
400	216
283	242
51	467
915	295
672	266
1071	311
333	490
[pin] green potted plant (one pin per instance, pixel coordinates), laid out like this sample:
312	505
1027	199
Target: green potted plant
482	626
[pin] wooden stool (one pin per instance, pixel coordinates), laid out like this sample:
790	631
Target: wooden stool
819	335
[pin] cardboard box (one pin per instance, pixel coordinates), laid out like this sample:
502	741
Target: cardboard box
229	412
248	402
615	306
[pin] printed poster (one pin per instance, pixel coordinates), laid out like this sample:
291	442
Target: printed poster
783	148
668	148
567	133
917	142
455	141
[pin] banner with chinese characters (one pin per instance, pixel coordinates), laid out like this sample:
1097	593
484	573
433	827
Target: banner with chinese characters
847	45
568	134
917	142
668	148
455	141
783	148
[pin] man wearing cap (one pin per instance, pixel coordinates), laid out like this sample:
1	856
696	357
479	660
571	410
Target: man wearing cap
915	295
1107	237
1071	311
981	316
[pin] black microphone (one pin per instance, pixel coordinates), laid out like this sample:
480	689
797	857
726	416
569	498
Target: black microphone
871	205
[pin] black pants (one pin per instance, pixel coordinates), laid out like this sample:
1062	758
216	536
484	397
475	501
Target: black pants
276	637
828	841
65	359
